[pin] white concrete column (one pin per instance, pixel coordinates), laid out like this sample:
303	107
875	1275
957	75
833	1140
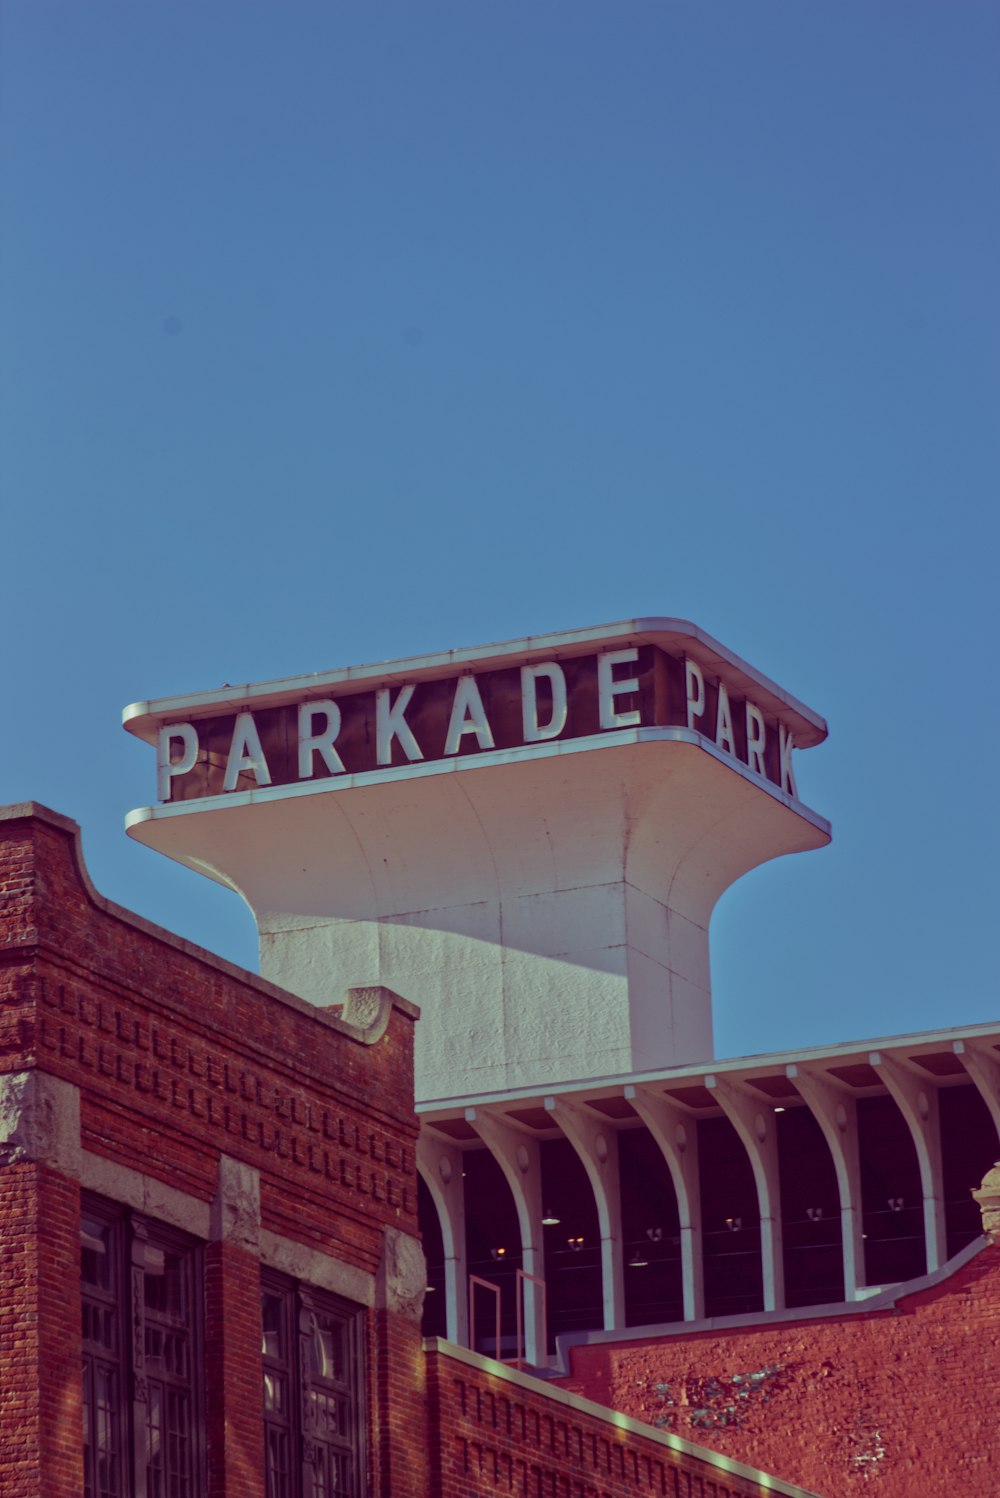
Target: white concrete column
916	1098
441	1169
676	1134
754	1123
519	1158
980	1061
836	1113
597	1147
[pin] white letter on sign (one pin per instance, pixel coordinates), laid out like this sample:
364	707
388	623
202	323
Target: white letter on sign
468	716
534	731
166	768
785	746
310	743
694	686
390	724
246	753
724	723
608	689
756	734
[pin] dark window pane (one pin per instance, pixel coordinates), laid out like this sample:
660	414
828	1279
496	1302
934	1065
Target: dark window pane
311	1355
278	1468
103	1428
272	1317
154	1443
96	1252
161	1322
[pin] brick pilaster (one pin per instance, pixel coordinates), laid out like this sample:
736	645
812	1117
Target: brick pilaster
41	1393
401	1407
233	1370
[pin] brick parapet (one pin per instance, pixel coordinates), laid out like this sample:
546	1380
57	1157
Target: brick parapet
832	1403
180	1057
18	890
502	1432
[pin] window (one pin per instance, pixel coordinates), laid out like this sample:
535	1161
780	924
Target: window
312	1392
141	1290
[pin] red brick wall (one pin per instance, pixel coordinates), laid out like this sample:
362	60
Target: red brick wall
40	1334
179	1057
234	1414
402	1448
492	1435
906	1398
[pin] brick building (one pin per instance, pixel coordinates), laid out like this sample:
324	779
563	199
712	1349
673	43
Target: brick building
645	1270
212	1281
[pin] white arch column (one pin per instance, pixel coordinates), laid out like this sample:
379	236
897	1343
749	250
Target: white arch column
917	1100
980	1061
441	1169
519	1157
836	1112
597	1147
754	1123
676	1135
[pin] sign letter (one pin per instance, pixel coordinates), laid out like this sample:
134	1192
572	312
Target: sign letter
724	722
310	743
694	686
608	689
468	716
246	753
756	735
785	746
167	768
390	724
534	731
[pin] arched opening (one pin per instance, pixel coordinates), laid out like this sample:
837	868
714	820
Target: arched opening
812	1247
493	1249
891	1194
572	1232
734	1279
651	1241
969	1148
434	1320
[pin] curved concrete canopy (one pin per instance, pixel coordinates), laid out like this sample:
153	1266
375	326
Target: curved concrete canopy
548	908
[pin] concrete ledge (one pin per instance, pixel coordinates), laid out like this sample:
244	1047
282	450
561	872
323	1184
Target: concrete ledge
146	1194
315	1268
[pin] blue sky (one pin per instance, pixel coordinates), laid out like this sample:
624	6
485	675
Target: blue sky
337	332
